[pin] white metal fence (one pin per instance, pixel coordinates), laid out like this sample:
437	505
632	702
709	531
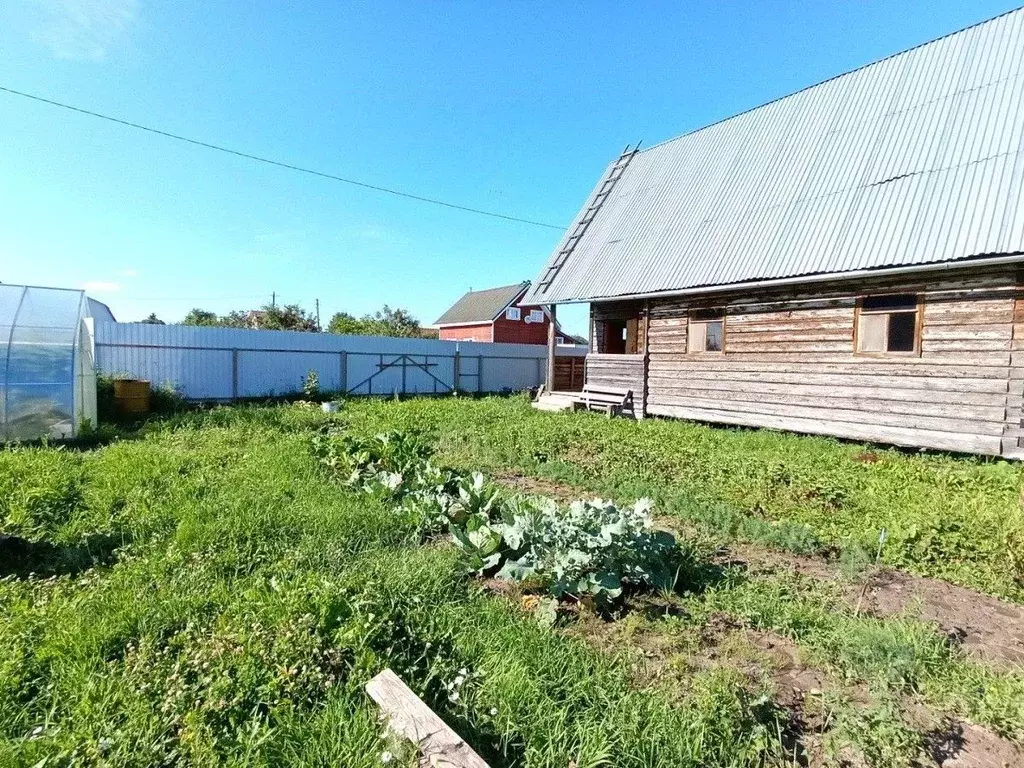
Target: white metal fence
227	364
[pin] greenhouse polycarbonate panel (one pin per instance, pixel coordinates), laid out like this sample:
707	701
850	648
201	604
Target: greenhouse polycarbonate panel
40	333
916	159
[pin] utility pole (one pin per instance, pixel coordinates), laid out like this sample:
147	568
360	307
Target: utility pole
318	315
273	300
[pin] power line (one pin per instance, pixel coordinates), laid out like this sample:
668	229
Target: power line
278	163
190	298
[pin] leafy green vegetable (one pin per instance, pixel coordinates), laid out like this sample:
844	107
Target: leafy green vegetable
593	550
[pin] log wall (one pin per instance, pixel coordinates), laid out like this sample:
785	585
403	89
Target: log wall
789	363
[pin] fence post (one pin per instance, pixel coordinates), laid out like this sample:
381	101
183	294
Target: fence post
234	375
479	374
456	365
540	379
343	371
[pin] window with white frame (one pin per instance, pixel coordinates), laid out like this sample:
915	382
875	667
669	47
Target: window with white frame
513	313
536	316
889	324
706	331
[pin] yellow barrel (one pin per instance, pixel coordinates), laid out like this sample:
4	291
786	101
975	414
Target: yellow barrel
131	395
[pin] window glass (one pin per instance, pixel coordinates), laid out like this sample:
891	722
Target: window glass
902	328
512	313
888	303
536	316
713	336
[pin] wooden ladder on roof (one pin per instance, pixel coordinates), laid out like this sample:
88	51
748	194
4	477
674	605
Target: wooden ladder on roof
617	169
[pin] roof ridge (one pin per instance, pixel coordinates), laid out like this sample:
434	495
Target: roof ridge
500	287
834	77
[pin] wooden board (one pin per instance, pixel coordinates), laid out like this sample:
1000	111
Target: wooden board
439	745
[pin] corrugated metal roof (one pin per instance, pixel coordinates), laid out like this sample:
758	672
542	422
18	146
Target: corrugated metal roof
914	159
481	306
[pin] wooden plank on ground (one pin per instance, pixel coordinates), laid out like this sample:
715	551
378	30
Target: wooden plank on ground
439	745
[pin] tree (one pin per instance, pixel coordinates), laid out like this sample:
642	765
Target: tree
396	322
290	317
347	325
384	322
152	319
201	317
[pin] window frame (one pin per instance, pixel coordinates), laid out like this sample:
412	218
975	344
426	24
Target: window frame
535	316
918	311
715	315
515	314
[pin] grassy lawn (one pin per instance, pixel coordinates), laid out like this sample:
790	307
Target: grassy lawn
204	591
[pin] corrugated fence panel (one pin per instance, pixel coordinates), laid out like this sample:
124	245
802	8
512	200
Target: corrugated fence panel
275	373
222	363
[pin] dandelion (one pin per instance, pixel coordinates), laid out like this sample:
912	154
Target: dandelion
386	757
494	711
453	696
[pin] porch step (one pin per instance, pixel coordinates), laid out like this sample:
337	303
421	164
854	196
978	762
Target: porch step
553	401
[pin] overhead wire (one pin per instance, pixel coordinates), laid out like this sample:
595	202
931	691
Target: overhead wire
277	163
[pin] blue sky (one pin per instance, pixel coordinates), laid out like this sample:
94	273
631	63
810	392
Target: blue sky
515	107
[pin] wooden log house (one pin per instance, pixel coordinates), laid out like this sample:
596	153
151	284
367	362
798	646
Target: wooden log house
847	260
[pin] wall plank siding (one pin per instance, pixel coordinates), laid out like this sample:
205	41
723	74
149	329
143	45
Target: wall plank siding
789	363
619	371
1013	436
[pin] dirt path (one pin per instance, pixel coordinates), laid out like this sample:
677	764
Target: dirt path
988	628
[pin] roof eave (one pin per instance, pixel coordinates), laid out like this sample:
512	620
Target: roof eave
1012	258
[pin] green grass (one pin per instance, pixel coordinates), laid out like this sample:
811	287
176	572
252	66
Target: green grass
203	593
957	518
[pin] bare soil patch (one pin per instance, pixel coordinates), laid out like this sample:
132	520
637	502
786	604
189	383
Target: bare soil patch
980	748
953	743
539	486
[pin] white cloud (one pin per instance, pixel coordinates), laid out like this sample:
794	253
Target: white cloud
100	286
83	30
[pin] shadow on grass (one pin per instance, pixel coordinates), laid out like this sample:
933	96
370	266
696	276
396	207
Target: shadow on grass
21	557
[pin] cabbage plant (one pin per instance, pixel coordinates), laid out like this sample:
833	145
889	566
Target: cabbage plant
591	551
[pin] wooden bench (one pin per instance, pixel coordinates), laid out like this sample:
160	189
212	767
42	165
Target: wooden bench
611	400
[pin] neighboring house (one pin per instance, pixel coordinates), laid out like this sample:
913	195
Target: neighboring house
495	315
847	260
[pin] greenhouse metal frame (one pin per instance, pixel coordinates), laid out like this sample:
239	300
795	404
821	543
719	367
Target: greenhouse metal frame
47	376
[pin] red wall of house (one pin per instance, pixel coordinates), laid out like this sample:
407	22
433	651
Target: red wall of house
520	331
478	332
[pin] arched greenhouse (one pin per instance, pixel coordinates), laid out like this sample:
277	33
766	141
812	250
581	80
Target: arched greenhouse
47	378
